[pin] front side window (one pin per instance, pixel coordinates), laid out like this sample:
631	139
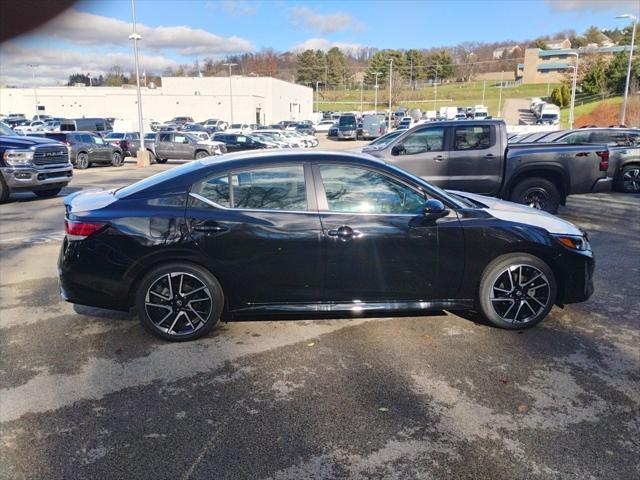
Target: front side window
274	188
97	140
427	140
165	137
181	139
580	137
472	137
358	190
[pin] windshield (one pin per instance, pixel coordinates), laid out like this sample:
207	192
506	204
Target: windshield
236	125
6	131
385	139
115	136
347	121
549	116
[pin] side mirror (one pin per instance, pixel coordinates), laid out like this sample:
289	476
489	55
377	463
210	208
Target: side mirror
434	209
397	150
186	140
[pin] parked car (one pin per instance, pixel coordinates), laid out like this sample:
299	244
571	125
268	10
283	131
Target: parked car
473	156
183	146
324	125
128	143
181	120
624	148
405	123
97	125
39	165
360	228
25	127
238	128
215	125
305	128
480	112
88	148
333	131
347	127
549	115
237	142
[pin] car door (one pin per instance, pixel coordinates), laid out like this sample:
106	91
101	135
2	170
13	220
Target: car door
259	229
379	246
101	151
475	159
423	153
182	146
164	145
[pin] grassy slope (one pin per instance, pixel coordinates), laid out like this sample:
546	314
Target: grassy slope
459	95
586	109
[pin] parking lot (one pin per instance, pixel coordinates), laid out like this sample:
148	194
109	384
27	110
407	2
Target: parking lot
87	393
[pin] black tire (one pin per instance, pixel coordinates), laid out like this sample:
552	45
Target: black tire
82	161
180	314
200	154
49	192
628	180
538	193
161	160
116	159
493	302
4	191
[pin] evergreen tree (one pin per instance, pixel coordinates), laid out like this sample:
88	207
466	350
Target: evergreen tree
439	65
310	67
338	71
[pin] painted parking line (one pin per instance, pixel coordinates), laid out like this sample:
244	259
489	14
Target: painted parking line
35	239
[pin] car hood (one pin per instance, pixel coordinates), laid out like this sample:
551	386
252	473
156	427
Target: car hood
514	212
25	142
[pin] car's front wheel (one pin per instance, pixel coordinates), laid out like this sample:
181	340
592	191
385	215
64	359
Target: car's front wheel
629	179
516	291
116	159
201	154
82	161
179	302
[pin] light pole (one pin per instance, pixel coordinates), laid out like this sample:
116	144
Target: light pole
484	87
375	102
35	91
317	96
361	87
500	98
435	90
390	88
230	90
634	20
143	156
573	89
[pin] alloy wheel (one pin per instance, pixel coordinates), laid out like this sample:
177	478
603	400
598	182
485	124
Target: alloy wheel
178	303
116	160
535	198
631	180
520	293
82	161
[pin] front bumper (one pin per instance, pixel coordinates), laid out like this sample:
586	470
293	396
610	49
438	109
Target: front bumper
33	178
351	134
602	185
577	270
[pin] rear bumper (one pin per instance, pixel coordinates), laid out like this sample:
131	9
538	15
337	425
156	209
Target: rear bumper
32	178
602	185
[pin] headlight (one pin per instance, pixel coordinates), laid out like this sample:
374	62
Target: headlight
18	157
574	242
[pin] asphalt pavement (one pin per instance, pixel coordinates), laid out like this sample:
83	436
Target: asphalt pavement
88	394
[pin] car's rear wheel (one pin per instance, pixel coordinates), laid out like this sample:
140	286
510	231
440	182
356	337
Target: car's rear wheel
161	160
116	159
49	192
179	302
537	193
82	160
629	179
516	291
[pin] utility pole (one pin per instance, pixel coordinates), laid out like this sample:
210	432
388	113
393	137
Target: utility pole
143	155
361	87
573	89
411	74
375	102
390	88
35	91
484	87
435	91
317	96
230	88
500	99
634	21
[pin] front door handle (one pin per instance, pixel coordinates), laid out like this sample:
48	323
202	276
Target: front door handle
344	233
489	156
209	227
438	158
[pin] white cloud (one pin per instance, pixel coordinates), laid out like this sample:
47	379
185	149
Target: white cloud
88	29
590	5
55	65
238	7
323	23
324	44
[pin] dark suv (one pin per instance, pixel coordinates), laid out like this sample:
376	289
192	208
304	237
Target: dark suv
237	142
87	148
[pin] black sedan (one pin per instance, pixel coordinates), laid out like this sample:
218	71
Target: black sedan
299	232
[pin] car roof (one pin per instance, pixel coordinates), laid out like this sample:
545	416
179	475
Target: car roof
290	154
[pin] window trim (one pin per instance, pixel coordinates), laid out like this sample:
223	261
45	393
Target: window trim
323	204
310	192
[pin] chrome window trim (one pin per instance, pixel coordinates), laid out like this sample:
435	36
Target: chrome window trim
231	209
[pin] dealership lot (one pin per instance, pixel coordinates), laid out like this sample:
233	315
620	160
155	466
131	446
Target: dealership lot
86	393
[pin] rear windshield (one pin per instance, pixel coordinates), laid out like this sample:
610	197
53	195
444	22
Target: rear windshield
549	116
157	179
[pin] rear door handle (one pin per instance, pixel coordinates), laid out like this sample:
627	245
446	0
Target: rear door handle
489	156
344	233
438	158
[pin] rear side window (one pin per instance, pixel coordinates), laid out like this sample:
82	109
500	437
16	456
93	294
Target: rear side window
86	138
472	137
274	188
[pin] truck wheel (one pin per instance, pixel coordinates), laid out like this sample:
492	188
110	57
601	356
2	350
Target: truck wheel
201	154
116	159
161	160
4	190
82	161
628	180
537	193
516	291
50	192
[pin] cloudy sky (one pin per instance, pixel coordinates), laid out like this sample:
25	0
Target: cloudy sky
92	36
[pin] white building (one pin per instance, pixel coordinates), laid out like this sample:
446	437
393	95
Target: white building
263	100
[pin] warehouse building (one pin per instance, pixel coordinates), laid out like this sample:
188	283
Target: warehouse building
262	100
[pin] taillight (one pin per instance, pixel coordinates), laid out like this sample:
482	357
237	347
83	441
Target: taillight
81	230
604	160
